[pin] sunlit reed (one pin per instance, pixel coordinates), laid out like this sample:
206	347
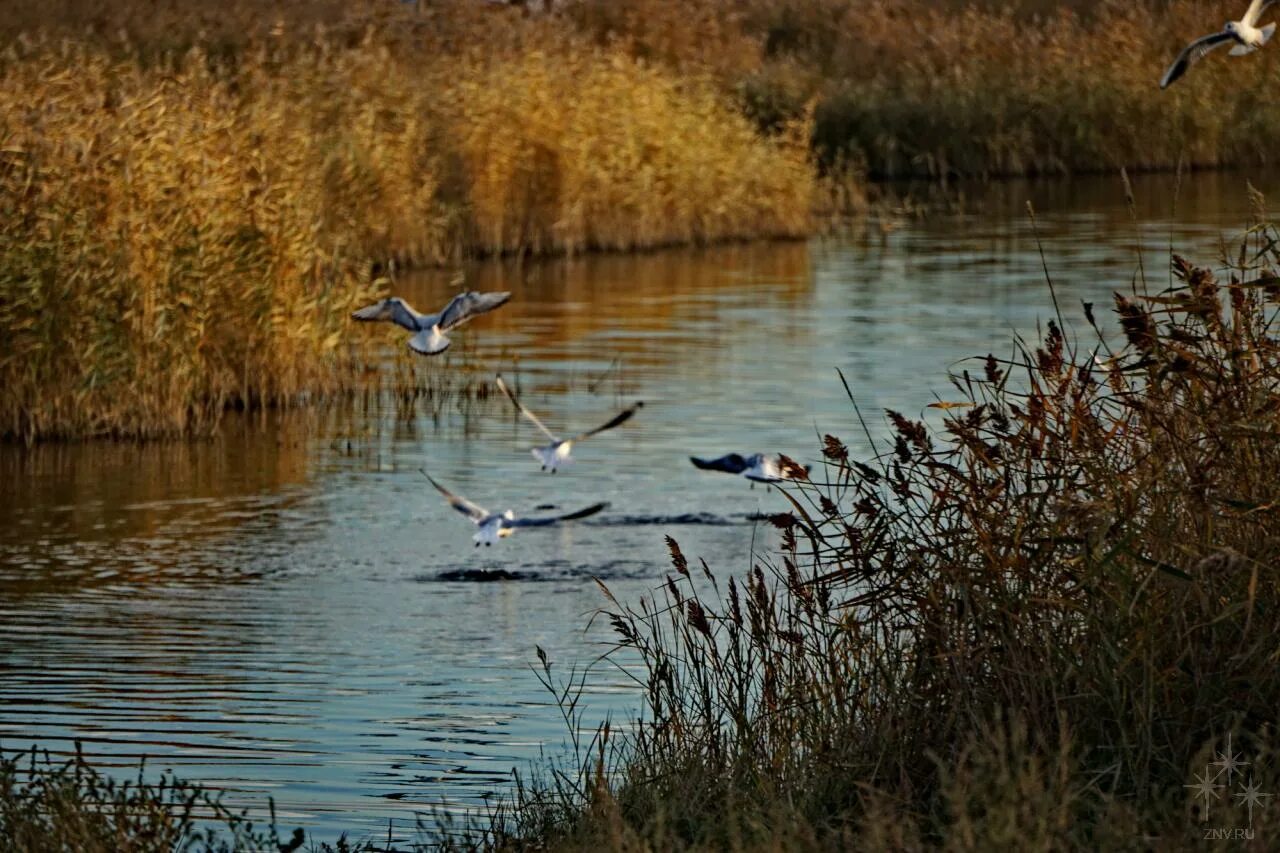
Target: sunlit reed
185	231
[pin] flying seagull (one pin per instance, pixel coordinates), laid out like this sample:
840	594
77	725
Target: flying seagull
757	467
557	452
1245	32
429	329
494	526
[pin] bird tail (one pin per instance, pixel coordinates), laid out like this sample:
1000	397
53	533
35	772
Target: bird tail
429	341
1267	32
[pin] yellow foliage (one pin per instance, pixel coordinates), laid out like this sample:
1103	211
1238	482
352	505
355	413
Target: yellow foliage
185	231
601	151
158	261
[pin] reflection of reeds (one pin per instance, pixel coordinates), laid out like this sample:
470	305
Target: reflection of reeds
1027	628
432	388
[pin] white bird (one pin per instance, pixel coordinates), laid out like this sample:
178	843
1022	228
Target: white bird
757	467
494	526
556	454
429	329
1246	34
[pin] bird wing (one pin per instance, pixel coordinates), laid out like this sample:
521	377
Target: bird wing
1256	8
464	306
393	310
556	519
618	419
732	463
502	386
461	504
1192	54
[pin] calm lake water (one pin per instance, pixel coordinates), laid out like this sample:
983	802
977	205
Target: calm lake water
271	611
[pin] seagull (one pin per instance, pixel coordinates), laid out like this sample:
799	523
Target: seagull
429	329
757	467
1245	32
557	452
494	526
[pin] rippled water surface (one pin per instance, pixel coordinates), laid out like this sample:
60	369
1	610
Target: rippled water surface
278	610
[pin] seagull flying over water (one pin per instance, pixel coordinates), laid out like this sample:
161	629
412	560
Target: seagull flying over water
557	452
1246	34
494	526
757	467
429	329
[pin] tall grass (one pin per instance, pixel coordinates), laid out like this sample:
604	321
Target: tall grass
938	89
50	806
206	190
616	154
188	216
1030	626
157	261
984	91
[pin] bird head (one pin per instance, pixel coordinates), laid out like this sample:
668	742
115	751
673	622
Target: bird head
1231	27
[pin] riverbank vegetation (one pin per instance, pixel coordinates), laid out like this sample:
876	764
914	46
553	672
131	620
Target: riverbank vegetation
208	190
914	88
187	215
1033	623
51	805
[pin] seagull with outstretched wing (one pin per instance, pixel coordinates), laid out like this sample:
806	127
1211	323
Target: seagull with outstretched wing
429	329
556	454
494	526
758	467
1245	33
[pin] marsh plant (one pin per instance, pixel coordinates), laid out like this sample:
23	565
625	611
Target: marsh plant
943	88
192	197
48	804
188	215
1028	623
158	263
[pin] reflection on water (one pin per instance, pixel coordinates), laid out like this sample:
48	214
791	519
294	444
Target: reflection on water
100	514
286	610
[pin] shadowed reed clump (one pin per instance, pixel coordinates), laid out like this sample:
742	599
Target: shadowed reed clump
50	806
1029	625
967	87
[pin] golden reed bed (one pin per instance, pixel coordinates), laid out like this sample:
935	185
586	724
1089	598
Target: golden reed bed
192	196
182	230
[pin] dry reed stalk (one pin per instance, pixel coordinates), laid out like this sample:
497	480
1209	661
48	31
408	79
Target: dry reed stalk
205	219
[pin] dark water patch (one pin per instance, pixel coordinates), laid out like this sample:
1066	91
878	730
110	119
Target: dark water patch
552	570
676	520
481	576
